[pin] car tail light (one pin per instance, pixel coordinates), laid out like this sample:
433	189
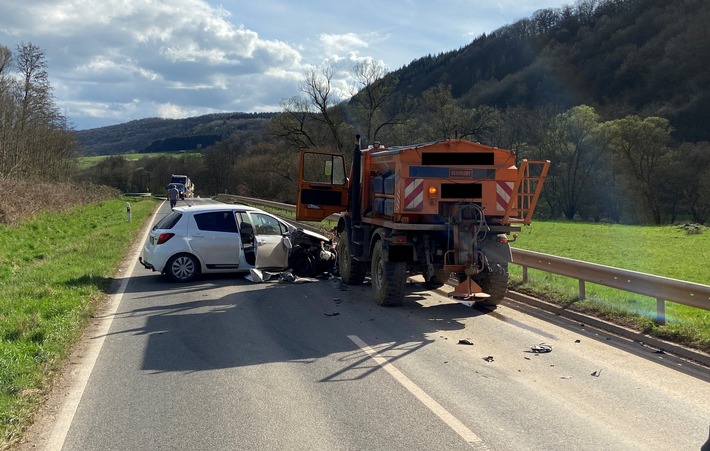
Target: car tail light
163	237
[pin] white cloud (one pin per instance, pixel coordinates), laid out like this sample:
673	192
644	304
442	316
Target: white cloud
112	61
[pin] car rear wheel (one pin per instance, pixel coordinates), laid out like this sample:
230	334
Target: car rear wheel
182	268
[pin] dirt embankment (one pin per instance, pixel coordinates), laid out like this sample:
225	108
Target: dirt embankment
21	199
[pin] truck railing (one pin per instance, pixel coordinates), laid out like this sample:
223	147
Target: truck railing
527	189
661	288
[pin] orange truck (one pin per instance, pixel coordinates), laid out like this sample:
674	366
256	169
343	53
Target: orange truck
442	210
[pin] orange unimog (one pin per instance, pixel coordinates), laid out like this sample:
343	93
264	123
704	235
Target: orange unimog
441	209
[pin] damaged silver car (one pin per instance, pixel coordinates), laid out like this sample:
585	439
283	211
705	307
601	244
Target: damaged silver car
223	238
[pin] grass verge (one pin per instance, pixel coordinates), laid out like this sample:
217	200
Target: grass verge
55	269
678	252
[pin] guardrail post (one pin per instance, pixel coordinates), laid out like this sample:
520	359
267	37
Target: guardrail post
525	274
660	311
582	289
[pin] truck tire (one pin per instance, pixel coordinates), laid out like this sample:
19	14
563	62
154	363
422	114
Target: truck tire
351	272
389	279
495	283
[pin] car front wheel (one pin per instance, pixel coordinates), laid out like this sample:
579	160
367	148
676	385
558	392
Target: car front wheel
182	268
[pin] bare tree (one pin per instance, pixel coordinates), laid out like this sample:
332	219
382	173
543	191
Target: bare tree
374	96
317	87
36	139
291	125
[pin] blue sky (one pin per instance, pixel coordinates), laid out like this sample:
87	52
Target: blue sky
113	61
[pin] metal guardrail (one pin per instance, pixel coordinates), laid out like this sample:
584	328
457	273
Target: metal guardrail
661	288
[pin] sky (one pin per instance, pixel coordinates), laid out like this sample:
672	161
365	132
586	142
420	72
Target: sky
113	61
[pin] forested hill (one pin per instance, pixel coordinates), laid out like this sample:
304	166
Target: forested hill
159	135
622	57
644	57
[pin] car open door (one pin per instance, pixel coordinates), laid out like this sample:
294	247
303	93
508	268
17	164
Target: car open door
271	242
322	185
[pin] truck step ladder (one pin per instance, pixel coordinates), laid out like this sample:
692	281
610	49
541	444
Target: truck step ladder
527	189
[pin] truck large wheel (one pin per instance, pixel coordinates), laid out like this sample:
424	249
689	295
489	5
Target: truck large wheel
389	279
351	272
495	283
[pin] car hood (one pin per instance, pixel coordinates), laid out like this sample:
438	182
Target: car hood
315	235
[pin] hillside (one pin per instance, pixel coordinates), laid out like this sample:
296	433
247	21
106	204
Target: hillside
645	57
160	135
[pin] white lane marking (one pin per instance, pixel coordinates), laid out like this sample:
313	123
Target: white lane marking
453	422
71	402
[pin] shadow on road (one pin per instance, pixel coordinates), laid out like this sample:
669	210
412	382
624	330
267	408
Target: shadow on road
276	322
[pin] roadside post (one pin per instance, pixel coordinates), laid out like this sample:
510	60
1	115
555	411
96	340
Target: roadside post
128	211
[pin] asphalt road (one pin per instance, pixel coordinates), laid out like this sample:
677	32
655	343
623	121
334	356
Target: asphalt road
226	364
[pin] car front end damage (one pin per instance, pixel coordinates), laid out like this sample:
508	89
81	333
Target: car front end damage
312	254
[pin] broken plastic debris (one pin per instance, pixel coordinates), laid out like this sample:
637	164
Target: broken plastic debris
332	314
597	373
488	358
542	347
465	342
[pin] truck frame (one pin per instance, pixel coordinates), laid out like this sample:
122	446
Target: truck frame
441	209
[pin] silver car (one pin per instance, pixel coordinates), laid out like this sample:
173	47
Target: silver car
224	238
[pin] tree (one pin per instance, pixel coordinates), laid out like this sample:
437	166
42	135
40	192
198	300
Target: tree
317	87
640	146
35	140
453	121
374	96
572	143
692	178
315	120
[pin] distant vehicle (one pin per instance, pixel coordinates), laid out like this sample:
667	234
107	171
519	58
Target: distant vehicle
205	239
184	185
180	187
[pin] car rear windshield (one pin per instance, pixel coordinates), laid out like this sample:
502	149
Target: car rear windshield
169	221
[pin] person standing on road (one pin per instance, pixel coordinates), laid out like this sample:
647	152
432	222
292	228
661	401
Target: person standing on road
173	195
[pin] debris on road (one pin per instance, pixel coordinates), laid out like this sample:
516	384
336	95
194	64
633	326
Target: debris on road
488	358
597	373
465	342
259	276
541	348
332	314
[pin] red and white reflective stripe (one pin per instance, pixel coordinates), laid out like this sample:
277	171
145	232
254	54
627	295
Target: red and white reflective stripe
413	194
503	192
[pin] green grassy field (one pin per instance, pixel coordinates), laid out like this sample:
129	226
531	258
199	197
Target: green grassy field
85	162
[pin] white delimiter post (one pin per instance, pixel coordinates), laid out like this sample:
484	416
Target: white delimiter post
128	211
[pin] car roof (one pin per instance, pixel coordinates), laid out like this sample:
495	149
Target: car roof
201	208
